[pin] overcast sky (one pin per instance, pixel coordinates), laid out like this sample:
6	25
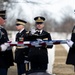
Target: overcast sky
28	9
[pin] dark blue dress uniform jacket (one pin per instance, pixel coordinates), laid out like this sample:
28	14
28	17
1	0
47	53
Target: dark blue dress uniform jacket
71	53
6	57
39	54
21	53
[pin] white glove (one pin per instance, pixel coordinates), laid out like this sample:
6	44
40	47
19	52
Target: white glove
36	44
49	43
70	43
7	44
4	46
33	31
26	61
39	39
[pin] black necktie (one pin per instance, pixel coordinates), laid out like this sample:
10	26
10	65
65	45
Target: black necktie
38	32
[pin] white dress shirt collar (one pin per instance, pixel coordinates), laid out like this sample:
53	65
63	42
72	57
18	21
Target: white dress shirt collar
39	31
21	30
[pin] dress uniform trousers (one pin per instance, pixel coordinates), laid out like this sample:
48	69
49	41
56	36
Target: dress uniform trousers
38	58
20	57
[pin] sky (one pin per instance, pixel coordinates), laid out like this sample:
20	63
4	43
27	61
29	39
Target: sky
28	9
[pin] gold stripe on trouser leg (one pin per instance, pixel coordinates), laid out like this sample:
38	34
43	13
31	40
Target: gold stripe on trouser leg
26	66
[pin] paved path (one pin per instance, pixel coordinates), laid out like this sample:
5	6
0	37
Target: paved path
60	68
12	70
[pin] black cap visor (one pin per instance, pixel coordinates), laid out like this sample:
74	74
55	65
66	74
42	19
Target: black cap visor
39	22
17	24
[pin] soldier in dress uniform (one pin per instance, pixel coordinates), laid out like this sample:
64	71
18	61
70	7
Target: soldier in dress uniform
38	56
6	56
21	52
71	54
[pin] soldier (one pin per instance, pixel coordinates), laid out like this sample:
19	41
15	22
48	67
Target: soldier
38	56
6	56
21	52
71	54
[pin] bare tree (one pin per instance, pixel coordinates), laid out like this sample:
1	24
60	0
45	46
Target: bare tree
67	24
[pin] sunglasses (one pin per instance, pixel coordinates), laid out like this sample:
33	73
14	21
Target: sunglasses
39	22
17	24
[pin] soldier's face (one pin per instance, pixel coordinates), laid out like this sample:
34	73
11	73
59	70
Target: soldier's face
39	26
2	21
